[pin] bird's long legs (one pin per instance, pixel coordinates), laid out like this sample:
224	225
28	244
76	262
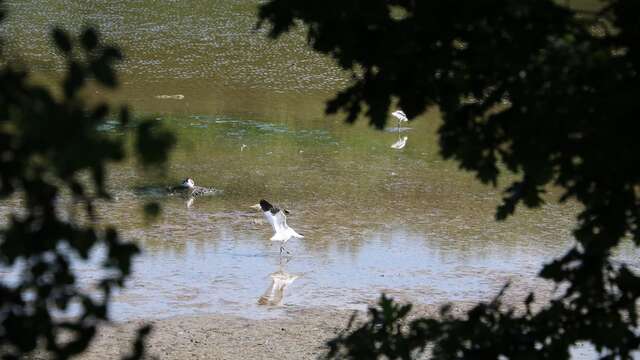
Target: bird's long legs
283	249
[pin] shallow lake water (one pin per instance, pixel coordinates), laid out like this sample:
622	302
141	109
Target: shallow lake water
249	121
374	220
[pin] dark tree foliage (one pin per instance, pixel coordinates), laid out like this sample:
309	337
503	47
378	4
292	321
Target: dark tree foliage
50	146
537	88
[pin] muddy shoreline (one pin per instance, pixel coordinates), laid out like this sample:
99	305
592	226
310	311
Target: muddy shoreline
301	334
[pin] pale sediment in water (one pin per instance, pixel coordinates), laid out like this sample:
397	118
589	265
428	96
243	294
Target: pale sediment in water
170	97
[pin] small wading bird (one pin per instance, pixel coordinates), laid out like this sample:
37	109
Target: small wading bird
189	188
278	221
402	117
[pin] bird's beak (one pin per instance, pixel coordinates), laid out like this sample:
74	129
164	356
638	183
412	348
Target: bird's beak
256	206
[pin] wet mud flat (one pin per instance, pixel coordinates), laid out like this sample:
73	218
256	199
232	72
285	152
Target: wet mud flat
299	333
302	335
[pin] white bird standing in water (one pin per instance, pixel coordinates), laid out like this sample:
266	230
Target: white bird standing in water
190	191
278	221
195	190
402	117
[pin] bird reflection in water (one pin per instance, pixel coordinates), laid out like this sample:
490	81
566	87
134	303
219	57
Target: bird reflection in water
274	294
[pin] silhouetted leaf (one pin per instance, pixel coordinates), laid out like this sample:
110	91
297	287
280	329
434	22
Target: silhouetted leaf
89	39
104	73
125	116
52	143
62	40
152	209
138	346
100	111
75	79
153	143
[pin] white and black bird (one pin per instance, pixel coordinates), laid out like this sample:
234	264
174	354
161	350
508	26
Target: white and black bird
278	221
190	189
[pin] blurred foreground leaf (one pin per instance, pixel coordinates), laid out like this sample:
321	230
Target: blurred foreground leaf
46	146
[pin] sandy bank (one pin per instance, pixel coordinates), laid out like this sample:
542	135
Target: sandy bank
300	335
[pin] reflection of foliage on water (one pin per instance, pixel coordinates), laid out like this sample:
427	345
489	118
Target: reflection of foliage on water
52	145
549	91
